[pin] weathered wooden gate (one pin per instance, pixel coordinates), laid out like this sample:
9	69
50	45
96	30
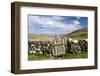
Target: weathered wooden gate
58	46
58	50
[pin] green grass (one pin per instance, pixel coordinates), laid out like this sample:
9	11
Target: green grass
37	57
83	54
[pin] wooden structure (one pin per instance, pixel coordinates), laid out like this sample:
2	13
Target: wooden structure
58	47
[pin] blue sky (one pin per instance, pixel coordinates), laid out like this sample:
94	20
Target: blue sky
42	24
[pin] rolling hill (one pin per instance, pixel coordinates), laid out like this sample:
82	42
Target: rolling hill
77	34
39	37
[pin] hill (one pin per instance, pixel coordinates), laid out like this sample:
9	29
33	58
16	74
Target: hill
78	34
39	37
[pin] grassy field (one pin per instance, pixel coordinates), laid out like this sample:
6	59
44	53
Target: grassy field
37	57
83	54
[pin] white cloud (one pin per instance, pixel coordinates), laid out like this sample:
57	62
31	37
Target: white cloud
41	20
43	31
76	22
57	18
47	32
67	27
48	22
78	18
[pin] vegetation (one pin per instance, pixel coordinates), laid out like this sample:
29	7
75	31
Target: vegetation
81	33
37	57
78	34
83	54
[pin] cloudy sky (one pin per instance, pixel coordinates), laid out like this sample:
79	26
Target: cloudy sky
41	24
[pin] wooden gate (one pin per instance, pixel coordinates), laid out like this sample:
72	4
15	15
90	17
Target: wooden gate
58	50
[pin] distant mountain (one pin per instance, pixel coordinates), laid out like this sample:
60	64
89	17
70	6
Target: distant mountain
39	37
77	34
